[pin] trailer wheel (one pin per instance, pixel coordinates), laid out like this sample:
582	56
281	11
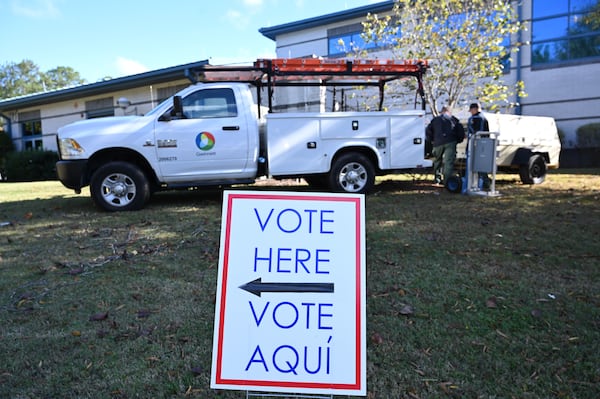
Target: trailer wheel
119	186
534	172
352	173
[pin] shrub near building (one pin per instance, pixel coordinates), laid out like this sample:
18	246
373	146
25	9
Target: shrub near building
34	165
588	136
586	153
6	146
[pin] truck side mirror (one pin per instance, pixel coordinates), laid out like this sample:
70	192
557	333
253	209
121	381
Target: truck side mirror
177	111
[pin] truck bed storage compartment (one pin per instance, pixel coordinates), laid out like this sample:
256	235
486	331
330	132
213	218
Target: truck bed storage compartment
292	144
305	143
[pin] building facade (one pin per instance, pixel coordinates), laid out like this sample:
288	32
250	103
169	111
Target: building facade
559	61
32	121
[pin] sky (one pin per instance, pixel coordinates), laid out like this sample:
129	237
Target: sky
114	38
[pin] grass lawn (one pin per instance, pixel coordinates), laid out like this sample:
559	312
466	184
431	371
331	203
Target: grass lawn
467	297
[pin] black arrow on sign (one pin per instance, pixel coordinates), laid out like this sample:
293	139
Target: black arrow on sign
257	287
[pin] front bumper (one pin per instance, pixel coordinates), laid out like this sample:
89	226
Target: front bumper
73	174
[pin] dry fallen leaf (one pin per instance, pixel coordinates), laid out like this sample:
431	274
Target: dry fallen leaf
101	333
447	387
99	316
143	313
500	333
376	338
76	271
407	310
491	302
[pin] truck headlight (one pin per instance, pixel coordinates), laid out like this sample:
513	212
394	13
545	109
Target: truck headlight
70	148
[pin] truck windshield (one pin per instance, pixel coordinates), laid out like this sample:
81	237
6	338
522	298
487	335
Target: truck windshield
160	107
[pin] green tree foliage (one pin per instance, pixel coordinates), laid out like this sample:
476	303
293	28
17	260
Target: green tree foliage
25	77
20	79
61	77
464	42
592	19
588	136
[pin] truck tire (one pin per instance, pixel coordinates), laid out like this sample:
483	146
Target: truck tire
352	173
534	172
119	186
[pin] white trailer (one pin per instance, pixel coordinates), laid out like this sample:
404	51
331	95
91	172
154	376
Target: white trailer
528	145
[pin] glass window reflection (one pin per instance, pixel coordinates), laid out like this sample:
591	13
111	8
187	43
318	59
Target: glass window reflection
550	28
565	30
342	44
581	5
545	8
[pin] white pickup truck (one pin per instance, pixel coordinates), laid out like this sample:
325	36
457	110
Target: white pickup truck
210	134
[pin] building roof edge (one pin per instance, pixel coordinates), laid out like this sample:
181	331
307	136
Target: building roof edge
91	89
272	31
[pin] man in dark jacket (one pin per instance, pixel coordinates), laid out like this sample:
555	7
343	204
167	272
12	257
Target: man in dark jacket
444	132
478	123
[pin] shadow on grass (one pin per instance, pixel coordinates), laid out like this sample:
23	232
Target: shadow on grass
26	209
194	197
211	195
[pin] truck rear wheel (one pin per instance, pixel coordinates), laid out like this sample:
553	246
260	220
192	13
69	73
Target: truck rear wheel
119	186
534	172
352	173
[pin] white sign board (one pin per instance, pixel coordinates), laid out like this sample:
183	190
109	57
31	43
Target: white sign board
290	307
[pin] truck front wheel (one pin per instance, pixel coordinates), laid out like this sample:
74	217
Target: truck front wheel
352	173
120	186
534	172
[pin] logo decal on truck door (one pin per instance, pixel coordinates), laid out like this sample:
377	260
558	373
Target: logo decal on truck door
169	143
205	141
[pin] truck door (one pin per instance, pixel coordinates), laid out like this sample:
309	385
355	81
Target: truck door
209	141
407	140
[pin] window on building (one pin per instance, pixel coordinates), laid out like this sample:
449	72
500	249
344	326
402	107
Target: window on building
166	92
565	30
100	108
31	130
346	39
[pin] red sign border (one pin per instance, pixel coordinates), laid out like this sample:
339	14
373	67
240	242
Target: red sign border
357	385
